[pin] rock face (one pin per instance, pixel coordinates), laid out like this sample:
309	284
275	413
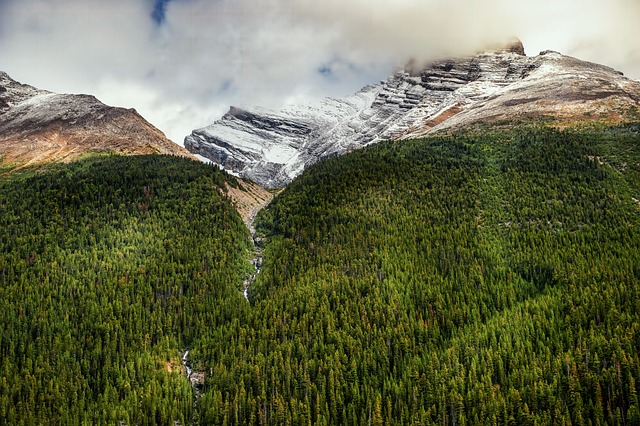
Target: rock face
39	126
271	148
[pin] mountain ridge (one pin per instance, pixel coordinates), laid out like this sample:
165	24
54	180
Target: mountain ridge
272	147
38	126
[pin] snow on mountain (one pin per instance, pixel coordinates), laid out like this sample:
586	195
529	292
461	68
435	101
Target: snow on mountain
39	126
272	147
276	140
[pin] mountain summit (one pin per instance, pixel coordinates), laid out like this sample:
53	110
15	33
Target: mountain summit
38	126
273	147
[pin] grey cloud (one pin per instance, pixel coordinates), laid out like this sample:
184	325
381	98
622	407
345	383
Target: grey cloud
208	54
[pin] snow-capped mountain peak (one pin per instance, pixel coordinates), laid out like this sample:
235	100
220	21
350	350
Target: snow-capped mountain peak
272	147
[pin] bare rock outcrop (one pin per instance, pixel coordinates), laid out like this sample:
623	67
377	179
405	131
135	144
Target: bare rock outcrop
272	147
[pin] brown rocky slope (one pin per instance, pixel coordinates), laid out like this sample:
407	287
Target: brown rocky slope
37	126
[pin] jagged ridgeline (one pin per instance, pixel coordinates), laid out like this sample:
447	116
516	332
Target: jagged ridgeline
109	268
273	147
480	278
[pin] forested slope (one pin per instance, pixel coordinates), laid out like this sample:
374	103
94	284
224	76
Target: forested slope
480	278
487	277
109	268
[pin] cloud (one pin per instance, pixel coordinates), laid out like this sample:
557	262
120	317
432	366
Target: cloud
181	63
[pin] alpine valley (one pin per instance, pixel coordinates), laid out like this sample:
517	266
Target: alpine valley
457	245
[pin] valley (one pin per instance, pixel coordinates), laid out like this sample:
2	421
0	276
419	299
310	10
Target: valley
458	245
482	277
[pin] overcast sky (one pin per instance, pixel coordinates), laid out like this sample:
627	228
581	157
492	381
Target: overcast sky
181	63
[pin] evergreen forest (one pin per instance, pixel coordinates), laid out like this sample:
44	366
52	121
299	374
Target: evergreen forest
109	268
486	277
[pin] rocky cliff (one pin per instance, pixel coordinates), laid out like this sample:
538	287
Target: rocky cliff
39	126
272	147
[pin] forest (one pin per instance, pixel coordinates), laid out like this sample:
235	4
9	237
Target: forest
109	269
489	276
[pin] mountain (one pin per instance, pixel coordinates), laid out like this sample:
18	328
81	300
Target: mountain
272	147
477	278
39	126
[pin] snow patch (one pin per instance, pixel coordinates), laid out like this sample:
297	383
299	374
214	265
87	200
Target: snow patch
203	159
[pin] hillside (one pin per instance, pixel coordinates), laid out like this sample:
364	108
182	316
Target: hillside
481	278
486	277
37	127
110	268
272	147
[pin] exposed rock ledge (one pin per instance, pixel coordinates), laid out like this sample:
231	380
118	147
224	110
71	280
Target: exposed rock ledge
272	147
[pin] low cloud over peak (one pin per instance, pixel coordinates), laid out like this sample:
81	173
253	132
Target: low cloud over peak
181	63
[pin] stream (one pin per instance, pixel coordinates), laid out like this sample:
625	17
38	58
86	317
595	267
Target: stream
256	261
187	369
257	264
195	377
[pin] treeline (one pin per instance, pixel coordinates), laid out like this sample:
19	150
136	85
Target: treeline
109	268
481	278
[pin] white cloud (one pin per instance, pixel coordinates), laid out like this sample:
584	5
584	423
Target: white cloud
209	54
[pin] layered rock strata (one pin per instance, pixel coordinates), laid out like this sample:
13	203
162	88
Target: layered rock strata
272	147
